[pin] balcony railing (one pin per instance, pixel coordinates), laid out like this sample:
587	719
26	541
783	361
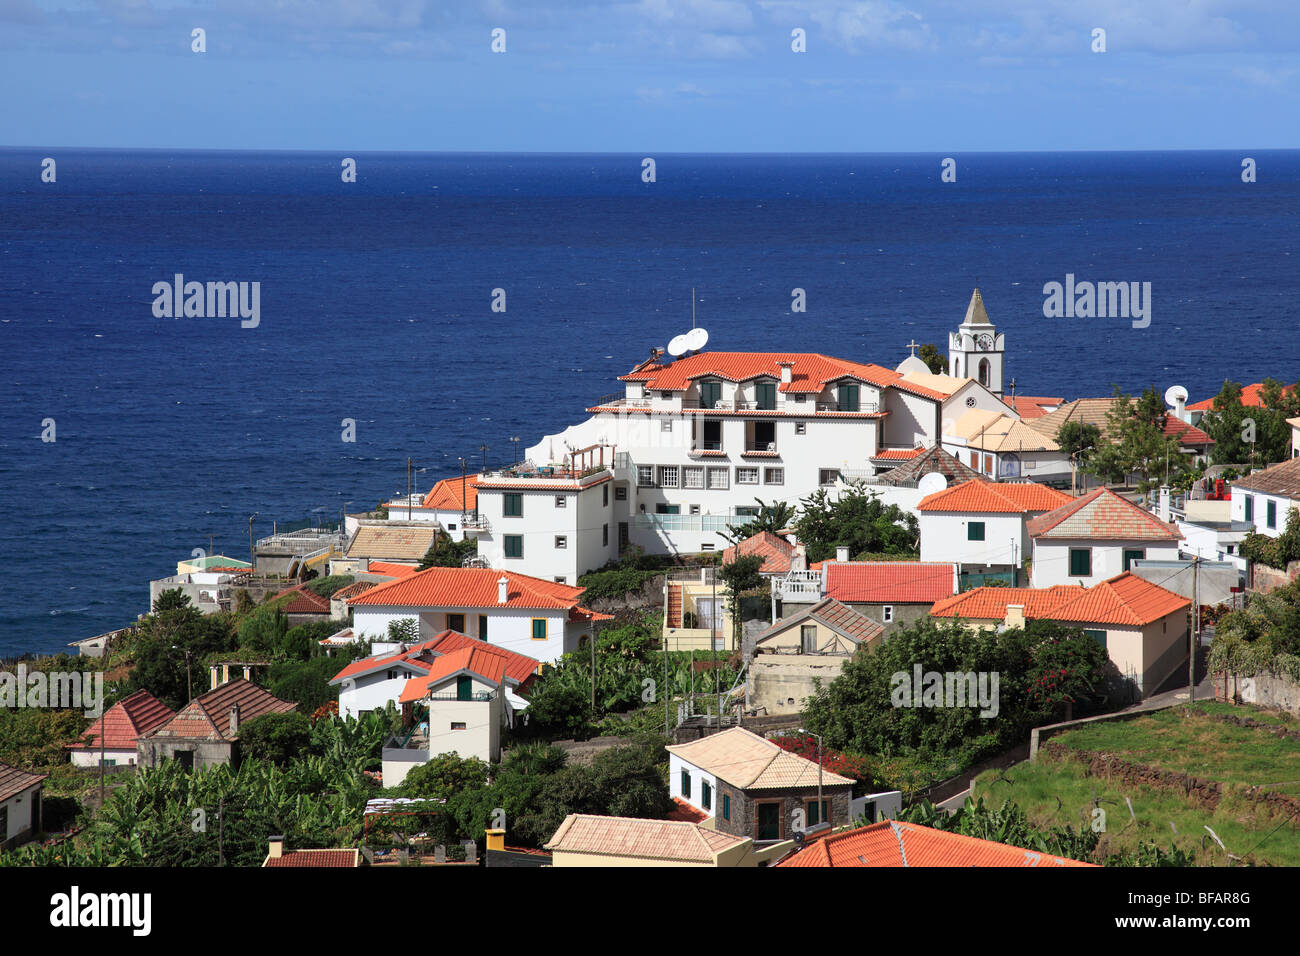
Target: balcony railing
867	407
798	585
475	523
699	523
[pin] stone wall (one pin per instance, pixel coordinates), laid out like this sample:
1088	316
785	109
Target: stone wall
1269	690
744	804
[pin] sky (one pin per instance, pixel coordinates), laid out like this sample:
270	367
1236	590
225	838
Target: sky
669	75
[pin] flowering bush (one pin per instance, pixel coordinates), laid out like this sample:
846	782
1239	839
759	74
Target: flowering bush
853	766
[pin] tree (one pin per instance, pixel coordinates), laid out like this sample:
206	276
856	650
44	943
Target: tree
444	775
740	575
1231	424
169	644
404	631
1135	441
857	520
1079	440
278	738
772	517
930	355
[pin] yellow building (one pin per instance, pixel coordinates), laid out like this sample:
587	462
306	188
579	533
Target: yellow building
696	614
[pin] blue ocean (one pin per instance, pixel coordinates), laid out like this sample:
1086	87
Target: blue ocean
376	306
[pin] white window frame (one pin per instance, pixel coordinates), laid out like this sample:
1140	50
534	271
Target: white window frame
670	476
887	613
778	472
743	470
645	476
693	477
801	428
561	501
716	475
561	541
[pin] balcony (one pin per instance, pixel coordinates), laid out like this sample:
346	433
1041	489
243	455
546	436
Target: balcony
866	408
697	523
798	587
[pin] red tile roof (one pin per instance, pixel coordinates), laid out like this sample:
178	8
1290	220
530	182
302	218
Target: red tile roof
1282	480
1250	397
890	843
470	587
1031	406
995	497
315	859
774	550
491	663
208	716
1125	600
126	721
306	601
409	660
683	811
445	495
1185	433
352	590
898	454
811	372
1102	515
390	569
14	781
890	582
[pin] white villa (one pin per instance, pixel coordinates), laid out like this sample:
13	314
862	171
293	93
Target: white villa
1264	497
1097	537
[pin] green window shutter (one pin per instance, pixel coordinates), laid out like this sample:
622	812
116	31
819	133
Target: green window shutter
1250	508
766	395
1271	511
975	531
513	506
726	806
1098	636
464	688
539	628
710	394
686	783
1131	556
513	545
1080	562
706	795
849	398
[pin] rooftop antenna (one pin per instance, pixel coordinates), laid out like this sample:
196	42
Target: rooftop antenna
692	306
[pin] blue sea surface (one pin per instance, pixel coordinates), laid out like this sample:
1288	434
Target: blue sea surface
376	306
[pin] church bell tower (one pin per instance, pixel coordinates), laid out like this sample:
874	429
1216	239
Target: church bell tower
976	349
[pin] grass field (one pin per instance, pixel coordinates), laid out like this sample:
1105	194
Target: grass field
1058	791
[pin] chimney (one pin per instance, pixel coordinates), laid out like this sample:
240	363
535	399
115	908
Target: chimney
799	558
496	839
234	719
503	585
1015	615
277	848
1164	503
787	373
841	553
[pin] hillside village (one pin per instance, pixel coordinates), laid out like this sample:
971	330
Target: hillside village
755	609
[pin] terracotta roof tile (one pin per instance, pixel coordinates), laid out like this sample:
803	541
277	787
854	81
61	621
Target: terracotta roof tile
890	582
352	590
934	460
1251	397
398	542
127	720
986	497
390	569
208	715
774	549
890	843
749	762
14	781
470	587
674	840
315	859
445	495
1093	411
1102	515
1282	480
458	653
1125	600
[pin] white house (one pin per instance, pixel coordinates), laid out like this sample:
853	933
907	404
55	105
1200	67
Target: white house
451	502
1001	446
126	721
528	615
20	805
1096	537
1264	497
981	525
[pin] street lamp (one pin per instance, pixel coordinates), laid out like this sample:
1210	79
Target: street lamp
251	559
515	440
820	805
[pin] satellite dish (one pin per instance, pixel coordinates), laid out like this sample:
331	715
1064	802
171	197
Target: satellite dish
929	484
696	339
1175	395
678	346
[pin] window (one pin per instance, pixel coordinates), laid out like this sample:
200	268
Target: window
561	541
645	475
828	476
710	394
773	476
719	478
1098	636
988	464
512	505
1135	555
456	622
482	627
887	613
392	675
726	806
695	509
620	494
1270	519
748	511
706	546
712	436
808	638
686	784
663	509
692	477
1250	508
561	501
848	398
706	795
513	545
559	579
458	725
604	536
1080	562
764	436
668	476
665	424
539	628
451	527
746	476
974	530
801	428
604	502
666	396
765	396
815	814
464	688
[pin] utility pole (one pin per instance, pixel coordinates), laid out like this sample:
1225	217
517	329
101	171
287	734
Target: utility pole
462	493
1196	631
221	831
251	561
408	489
668	696
713	641
593	670
484	450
